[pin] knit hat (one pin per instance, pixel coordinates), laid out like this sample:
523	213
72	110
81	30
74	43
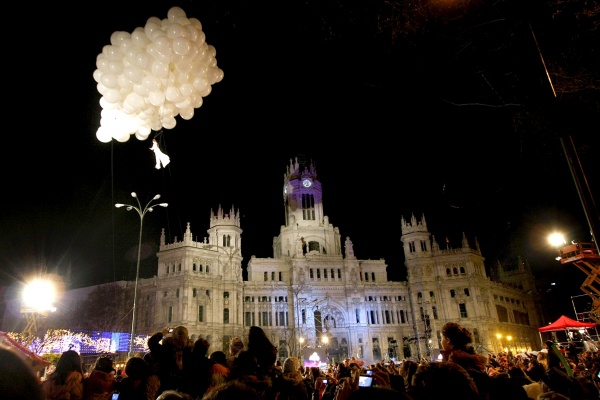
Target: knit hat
291	364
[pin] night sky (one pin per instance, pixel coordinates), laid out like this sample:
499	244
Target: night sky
442	108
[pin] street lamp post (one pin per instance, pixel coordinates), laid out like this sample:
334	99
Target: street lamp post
141	212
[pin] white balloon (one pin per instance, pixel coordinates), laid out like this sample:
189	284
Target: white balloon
175	30
187	113
102	62
139	37
134	74
112	95
118	37
175	12
173	95
181	46
151	76
169	122
156	98
151	82
160	69
109	80
111	52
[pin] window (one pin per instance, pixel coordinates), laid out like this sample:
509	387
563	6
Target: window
314	246
332	274
462	307
311	274
462	270
281	321
179	268
448	271
226	315
318	273
194	267
201	268
170	315
431	295
273	275
452	293
194	292
467	291
280	276
226	240
423	245
357	313
419	295
502	313
225	295
303	316
411	247
208	269
177	293
435	313
308	207
325	273
249	318
265	318
266	276
387	317
339	273
373	276
201	313
366	277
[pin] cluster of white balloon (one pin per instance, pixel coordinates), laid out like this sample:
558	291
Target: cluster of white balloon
148	77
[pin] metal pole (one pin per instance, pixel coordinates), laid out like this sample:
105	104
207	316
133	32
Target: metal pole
135	290
141	212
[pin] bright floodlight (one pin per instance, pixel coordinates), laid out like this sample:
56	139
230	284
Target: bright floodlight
39	295
556	239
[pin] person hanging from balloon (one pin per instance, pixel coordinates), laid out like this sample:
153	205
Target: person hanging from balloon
161	158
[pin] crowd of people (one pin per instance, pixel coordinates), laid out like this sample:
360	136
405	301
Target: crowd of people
177	367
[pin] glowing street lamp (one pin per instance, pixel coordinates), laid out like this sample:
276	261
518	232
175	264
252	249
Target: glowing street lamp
556	239
141	212
38	297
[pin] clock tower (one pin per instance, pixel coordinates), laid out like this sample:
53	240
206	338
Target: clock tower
303	232
302	195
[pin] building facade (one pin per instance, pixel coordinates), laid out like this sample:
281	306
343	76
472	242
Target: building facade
314	293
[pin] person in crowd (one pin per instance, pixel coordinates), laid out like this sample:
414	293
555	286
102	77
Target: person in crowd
232	390
503	387
407	371
457	347
175	395
443	379
139	383
235	347
66	382
291	385
169	348
263	350
17	379
219	373
349	390
196	375
100	383
247	371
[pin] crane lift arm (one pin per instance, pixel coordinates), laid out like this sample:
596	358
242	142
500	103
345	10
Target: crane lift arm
585	257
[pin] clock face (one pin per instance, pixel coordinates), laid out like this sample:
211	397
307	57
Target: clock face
306	183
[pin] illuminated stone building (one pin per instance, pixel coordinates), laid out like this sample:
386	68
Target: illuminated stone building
314	293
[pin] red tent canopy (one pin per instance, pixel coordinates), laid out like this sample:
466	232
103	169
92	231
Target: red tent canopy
566	323
35	361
